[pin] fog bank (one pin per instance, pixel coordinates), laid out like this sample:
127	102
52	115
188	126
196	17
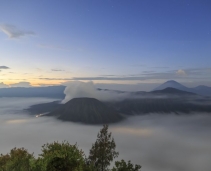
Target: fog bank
157	142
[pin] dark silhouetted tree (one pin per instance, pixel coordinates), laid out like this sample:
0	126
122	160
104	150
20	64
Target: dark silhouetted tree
103	150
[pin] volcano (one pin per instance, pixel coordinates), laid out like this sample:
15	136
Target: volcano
86	110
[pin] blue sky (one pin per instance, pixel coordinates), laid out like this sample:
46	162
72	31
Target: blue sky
107	41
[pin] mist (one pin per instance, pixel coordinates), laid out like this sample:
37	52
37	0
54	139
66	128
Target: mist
77	89
157	142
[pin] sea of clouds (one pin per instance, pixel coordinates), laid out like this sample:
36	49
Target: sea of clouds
157	142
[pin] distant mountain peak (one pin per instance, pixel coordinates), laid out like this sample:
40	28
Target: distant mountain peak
201	89
172	84
172	81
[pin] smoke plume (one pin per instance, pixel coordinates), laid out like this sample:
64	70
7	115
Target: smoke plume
78	89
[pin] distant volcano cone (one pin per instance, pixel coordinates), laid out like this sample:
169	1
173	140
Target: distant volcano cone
86	110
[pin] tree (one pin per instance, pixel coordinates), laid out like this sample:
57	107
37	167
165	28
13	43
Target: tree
62	157
123	166
103	150
3	161
66	157
18	159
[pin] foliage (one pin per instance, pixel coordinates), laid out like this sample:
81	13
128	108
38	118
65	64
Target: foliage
62	156
66	157
4	159
123	166
18	159
103	150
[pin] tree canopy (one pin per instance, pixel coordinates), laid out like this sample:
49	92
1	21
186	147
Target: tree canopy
66	157
103	150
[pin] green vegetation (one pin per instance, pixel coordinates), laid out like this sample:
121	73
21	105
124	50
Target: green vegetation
123	166
103	150
66	157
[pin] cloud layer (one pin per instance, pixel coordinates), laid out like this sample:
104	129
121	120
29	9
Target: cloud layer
21	84
2	85
157	142
193	74
13	32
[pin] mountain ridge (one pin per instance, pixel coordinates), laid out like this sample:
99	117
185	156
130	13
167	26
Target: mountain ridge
200	90
170	90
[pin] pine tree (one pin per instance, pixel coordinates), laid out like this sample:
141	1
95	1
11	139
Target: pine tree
103	150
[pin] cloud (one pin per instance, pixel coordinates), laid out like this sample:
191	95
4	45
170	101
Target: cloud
181	72
128	87
145	72
97	78
21	84
2	85
108	75
161	67
194	74
57	70
157	142
4	67
77	89
13	32
138	65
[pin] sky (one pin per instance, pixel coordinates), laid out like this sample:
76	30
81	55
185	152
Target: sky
136	42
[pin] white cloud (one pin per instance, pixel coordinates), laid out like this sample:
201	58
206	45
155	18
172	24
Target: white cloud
181	72
57	70
13	32
78	89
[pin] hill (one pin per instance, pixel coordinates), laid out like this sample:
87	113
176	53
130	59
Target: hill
162	105
200	90
86	110
173	91
172	84
43	107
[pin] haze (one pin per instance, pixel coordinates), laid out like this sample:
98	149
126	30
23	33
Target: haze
157	142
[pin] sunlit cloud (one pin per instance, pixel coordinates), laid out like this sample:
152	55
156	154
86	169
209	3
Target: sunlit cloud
21	84
57	70
181	72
